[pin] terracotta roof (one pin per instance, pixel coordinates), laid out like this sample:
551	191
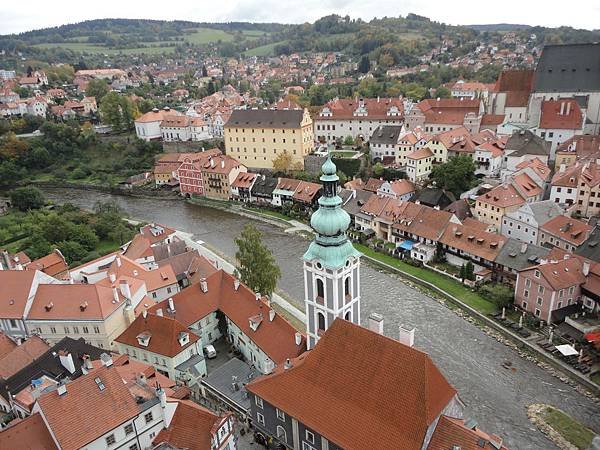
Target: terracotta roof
156	115
22	355
156	232
567	178
376	204
306	191
220	164
139	247
583	146
450	137
473	240
568	229
192	427
96	411
394	400
51	264
377	108
132	270
452	433
373	184
517	84
243	180
276	338
561	274
591	174
173	121
554	115
162	333
538	166
73	302
502	196
422	153
492	119
526	185
402	187
15	286
6	345
30	433
288	184
448	110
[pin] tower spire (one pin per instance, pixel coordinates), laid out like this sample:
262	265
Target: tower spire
331	263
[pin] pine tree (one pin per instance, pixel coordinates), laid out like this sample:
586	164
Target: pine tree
470	271
256	267
463	272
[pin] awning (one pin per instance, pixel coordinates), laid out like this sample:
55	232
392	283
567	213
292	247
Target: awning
406	245
593	337
567	350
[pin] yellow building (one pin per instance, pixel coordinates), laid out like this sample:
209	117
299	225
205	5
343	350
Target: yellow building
255	137
492	206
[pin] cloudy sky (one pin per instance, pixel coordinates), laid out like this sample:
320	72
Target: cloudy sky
32	14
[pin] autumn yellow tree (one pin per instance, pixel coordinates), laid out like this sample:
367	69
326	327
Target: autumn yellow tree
283	162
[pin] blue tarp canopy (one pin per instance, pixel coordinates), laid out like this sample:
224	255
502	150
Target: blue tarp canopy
406	245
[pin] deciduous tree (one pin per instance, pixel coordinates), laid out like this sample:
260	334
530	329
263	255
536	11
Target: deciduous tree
457	175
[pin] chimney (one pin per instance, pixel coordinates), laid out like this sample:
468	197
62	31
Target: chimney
145	313
562	168
125	290
112	277
586	268
271	315
87	362
118	259
106	360
376	323
523	247
257	296
562	108
162	395
61	389
222	164
568	108
159	312
287	364
298	337
203	285
407	337
212	162
115	294
66	360
171	304
236	284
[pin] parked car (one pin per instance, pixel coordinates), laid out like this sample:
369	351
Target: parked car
210	352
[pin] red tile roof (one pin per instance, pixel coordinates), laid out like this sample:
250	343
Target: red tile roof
6	345
422	153
568	229
502	196
448	110
561	274
451	433
554	115
583	146
22	356
373	184
52	264
192	427
163	334
306	191
394	400
527	186
156	115
30	433
474	241
15	286
276	338
377	108
243	180
517	84
538	166
95	411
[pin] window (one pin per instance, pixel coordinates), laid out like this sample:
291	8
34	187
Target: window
540	289
13	323
76	330
306	446
134	447
527	282
281	434
97	330
539	301
538	313
260	418
128	429
258	402
320	321
280	414
320	288
571	290
347	286
67	331
148	417
526	293
53	330
86	330
110	439
310	437
537	272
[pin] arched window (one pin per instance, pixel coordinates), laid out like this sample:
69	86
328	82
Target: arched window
321	321
347	287
320	288
281	434
348	316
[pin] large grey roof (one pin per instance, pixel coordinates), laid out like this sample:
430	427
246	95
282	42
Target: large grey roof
264	187
221	380
354	205
590	249
544	211
387	134
518	255
265	118
568	68
433	197
524	142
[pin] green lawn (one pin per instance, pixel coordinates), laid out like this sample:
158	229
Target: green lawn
269	213
264	50
207	35
153	48
105	247
447	284
343	153
573	431
255	33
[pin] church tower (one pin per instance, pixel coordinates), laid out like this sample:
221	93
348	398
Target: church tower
331	263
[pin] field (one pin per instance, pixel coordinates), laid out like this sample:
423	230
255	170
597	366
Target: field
202	36
91	48
264	50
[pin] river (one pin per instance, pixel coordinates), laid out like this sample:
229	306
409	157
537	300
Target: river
471	360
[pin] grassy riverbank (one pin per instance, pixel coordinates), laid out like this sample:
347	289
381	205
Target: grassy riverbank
567	427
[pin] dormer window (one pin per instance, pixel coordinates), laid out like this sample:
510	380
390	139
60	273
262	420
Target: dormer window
144	338
183	338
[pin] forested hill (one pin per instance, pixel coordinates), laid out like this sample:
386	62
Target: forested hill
398	40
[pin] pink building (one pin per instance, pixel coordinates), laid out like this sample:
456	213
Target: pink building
550	286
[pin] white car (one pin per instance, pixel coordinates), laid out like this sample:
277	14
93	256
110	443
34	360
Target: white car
210	351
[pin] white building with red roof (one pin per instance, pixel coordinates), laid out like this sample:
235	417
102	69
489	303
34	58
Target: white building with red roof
147	126
356	117
559	121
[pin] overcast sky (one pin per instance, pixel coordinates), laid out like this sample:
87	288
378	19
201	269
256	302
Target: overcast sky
33	14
